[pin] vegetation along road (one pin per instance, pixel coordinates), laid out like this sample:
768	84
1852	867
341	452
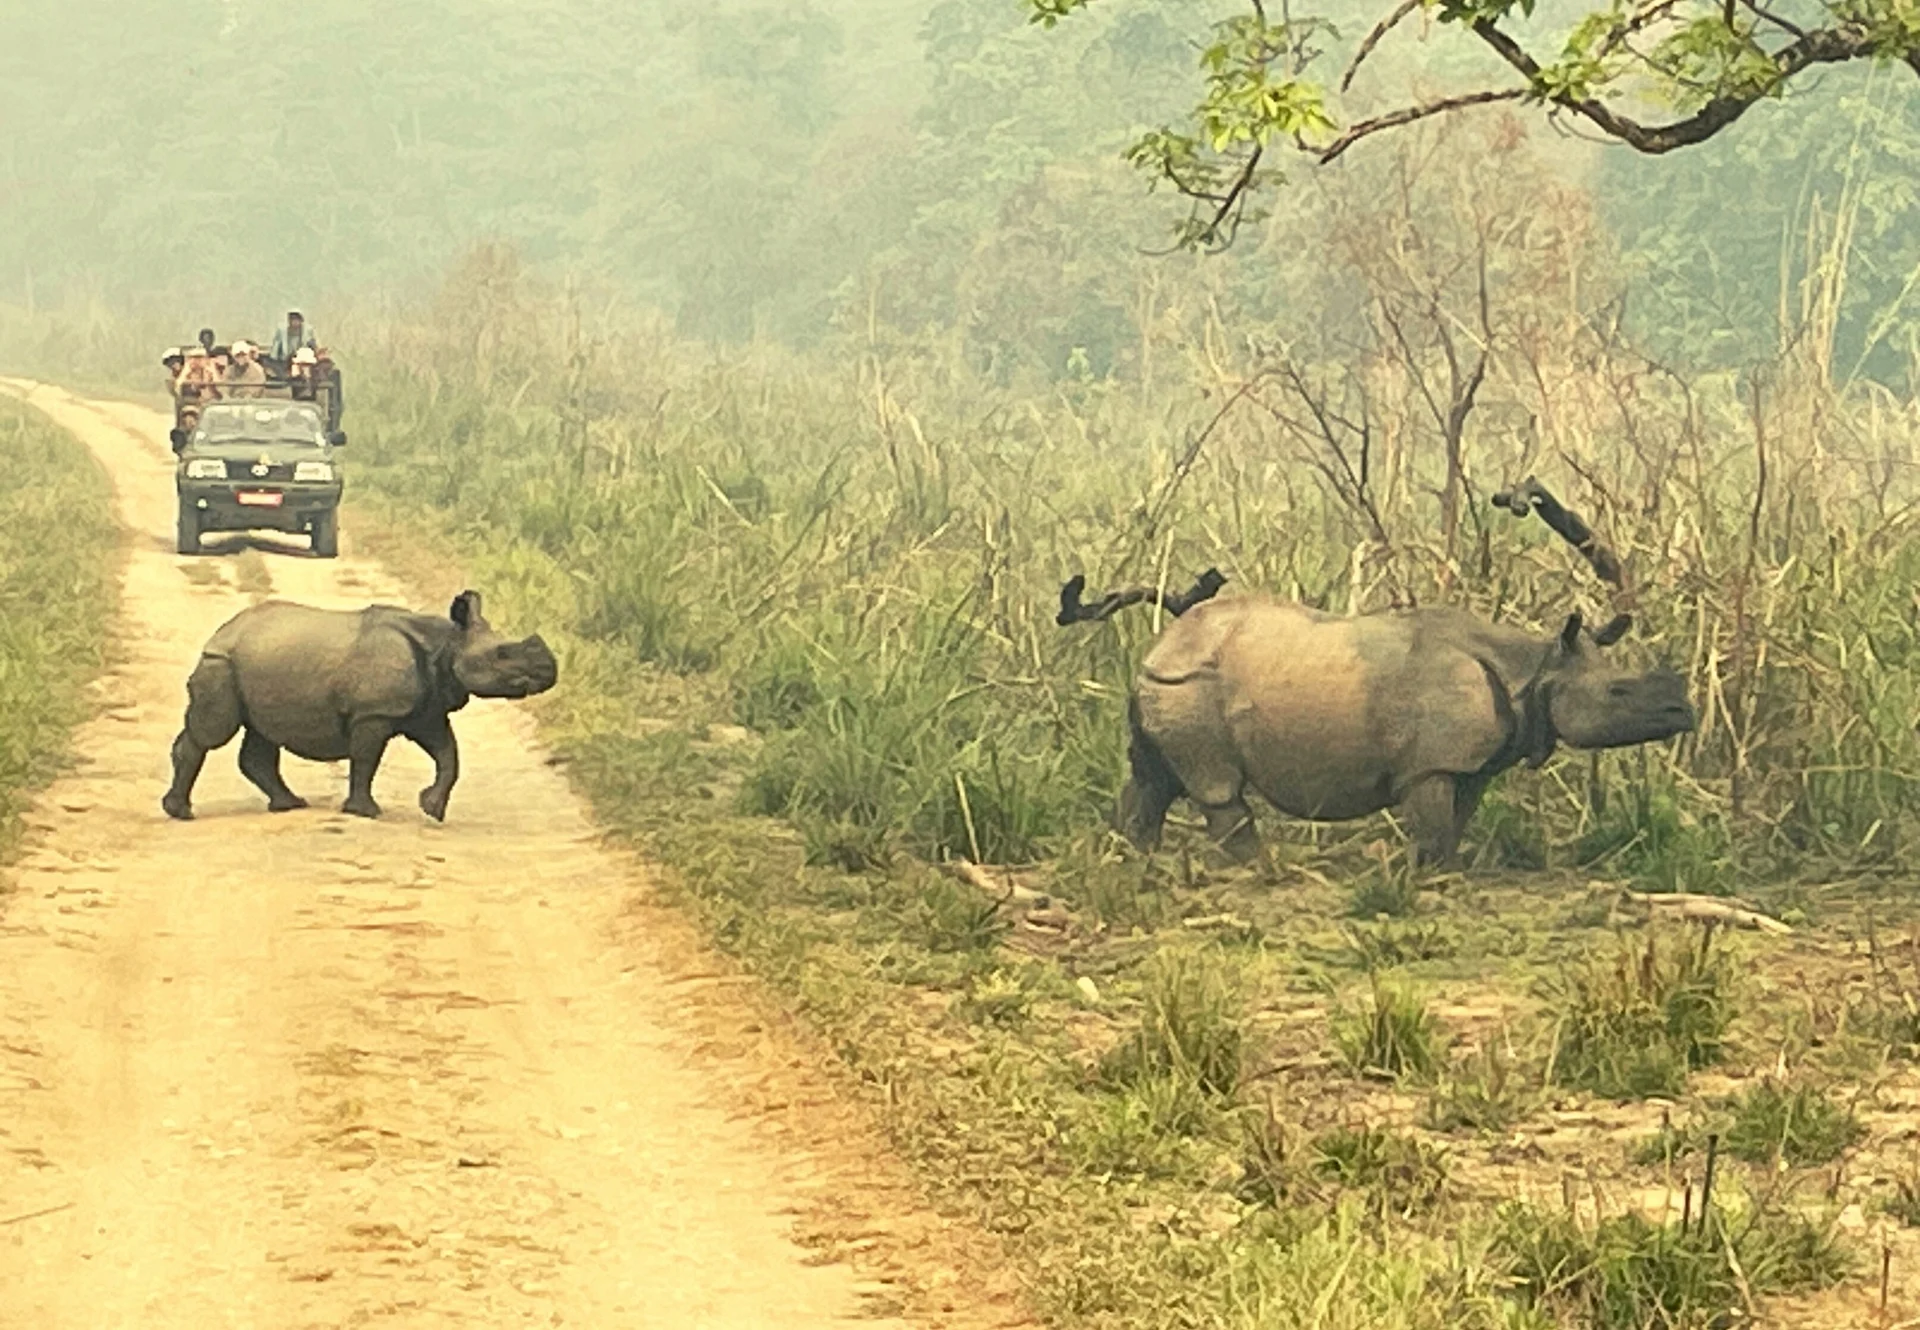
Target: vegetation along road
303	1070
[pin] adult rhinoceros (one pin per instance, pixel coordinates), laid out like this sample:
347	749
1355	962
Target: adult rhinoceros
1333	718
333	684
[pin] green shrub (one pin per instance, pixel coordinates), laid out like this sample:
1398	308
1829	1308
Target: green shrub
1628	1273
1390	1034
1191	1029
1799	1127
1636	1023
1489	1092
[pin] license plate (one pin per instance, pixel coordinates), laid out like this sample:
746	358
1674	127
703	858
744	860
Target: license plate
260	500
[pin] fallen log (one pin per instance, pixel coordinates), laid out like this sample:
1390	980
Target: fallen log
1005	892
1074	610
1704	909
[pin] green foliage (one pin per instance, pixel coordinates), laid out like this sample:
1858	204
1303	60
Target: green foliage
1390	1034
951	916
1800	1126
1402	1174
1390	890
57	553
1387	944
1903	1202
1487	1092
1636	1023
1627	1273
1191	1028
1649	838
1257	89
1740	240
1343	1273
1769	1123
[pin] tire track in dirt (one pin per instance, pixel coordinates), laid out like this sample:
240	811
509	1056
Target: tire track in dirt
307	1070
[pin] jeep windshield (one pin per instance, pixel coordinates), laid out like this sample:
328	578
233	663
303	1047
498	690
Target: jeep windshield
261	422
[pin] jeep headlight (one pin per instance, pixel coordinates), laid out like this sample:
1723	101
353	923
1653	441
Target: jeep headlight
313	471
206	468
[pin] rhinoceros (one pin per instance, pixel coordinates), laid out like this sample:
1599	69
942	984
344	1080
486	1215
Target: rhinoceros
1333	718
333	684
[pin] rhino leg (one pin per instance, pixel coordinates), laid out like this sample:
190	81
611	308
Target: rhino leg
1150	790
438	743
1182	726
1231	826
260	763
366	745
1439	809
213	718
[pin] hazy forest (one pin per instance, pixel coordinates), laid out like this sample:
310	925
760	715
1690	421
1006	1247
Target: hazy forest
783	360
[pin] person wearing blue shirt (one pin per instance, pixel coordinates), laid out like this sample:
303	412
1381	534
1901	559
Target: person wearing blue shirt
292	337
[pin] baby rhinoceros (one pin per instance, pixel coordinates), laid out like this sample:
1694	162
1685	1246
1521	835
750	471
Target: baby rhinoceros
1333	718
333	684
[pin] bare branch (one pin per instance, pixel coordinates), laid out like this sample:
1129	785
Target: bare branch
1775	19
1408	114
1073	610
1233	202
1651	14
1532	496
1373	39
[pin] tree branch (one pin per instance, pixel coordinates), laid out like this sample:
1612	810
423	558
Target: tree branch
1406	115
1822	46
1373	39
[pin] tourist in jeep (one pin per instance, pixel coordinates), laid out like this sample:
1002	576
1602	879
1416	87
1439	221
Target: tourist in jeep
199	381
291	338
244	376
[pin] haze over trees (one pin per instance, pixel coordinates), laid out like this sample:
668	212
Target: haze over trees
941	169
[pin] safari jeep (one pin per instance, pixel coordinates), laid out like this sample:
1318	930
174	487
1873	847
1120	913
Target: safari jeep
259	465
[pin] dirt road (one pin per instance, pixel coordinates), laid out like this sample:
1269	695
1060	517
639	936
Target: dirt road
306	1070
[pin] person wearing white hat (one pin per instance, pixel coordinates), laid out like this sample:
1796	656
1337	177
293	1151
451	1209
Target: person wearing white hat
302	374
245	377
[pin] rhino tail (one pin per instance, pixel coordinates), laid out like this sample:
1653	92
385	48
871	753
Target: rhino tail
1151	788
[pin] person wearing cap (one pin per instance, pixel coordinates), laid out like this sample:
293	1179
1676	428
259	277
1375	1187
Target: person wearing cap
175	360
328	375
291	338
198	381
244	376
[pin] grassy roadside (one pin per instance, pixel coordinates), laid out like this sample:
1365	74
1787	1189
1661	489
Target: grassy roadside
58	551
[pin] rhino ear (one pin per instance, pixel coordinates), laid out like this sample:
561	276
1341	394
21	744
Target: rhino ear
466	609
1570	635
1615	629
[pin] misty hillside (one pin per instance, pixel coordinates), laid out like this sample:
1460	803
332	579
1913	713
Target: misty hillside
767	170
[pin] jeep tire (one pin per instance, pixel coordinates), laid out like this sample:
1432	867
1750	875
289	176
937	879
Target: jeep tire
188	541
326	535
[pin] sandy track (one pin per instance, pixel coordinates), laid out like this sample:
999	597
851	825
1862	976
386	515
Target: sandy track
306	1070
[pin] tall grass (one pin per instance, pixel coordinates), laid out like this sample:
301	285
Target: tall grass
58	547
